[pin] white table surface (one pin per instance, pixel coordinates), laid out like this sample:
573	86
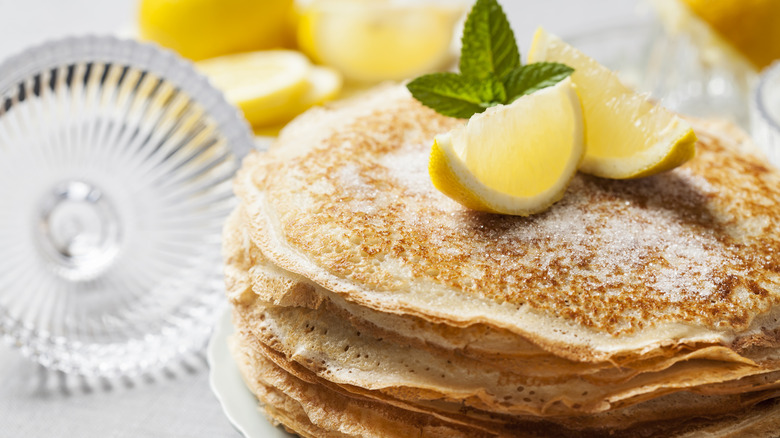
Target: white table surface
177	402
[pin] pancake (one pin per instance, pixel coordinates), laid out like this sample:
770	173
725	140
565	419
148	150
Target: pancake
630	306
306	407
339	346
616	267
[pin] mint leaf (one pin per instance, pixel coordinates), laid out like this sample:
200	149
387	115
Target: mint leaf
488	43
491	71
455	95
533	77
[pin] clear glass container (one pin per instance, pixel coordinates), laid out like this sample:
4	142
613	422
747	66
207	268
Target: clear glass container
672	67
765	113
696	69
116	160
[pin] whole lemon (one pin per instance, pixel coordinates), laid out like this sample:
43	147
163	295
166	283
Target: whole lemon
200	29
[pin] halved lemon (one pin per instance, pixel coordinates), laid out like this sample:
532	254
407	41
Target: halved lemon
376	41
628	136
513	159
266	85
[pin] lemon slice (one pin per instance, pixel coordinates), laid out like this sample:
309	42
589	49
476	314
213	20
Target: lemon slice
513	159
376	41
628	135
324	84
266	85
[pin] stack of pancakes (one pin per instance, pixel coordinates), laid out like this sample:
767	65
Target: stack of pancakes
366	303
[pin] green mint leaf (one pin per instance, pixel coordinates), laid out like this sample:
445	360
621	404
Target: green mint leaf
455	95
533	77
488	43
491	71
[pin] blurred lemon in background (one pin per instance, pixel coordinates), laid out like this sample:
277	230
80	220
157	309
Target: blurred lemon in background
751	26
732	32
365	41
372	41
272	86
200	29
260	83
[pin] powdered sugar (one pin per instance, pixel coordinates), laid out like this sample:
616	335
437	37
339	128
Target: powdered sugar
362	195
654	247
409	167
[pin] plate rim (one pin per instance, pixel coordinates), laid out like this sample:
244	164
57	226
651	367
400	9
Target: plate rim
238	403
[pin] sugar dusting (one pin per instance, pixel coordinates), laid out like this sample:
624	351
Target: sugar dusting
409	168
650	241
636	244
363	197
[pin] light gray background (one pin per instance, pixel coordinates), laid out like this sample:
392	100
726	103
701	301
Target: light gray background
177	402
25	22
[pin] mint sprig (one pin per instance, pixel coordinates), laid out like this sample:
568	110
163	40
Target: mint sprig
488	43
491	72
457	95
533	77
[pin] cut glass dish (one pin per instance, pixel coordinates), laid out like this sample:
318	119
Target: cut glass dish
116	160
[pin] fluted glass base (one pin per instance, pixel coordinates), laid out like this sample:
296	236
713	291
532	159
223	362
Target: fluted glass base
116	161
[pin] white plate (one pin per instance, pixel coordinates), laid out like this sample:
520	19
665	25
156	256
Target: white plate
238	402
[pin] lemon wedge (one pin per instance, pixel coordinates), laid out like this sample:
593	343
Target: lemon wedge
513	159
376	41
200	29
266	85
628	135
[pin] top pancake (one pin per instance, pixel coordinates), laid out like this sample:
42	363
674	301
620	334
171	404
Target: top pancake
687	256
